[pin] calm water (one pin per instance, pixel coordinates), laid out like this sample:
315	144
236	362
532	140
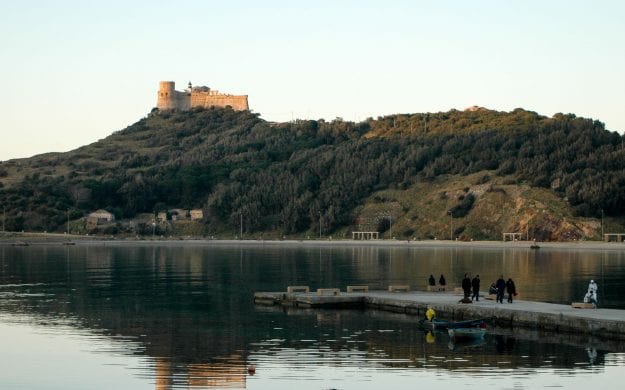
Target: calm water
132	317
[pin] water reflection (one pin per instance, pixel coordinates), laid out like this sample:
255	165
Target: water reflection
188	310
392	344
230	373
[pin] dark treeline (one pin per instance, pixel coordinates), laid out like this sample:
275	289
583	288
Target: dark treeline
289	176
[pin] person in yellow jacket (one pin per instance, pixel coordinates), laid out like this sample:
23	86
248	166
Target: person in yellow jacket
430	314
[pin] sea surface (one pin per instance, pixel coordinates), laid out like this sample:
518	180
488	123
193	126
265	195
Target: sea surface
165	316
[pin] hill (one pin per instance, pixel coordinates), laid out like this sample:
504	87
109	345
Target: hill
419	172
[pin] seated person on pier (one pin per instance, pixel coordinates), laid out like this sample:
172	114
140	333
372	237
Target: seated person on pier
591	295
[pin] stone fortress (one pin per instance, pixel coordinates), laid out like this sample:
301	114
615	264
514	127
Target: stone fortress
170	99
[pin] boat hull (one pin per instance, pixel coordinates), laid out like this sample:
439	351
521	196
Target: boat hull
444	324
466	333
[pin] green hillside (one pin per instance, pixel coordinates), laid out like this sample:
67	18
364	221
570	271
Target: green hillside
482	171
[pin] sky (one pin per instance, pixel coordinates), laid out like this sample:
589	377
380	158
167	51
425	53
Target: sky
73	72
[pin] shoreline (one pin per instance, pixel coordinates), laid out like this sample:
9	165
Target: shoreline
26	239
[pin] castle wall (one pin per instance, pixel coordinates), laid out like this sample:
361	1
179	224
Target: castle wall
203	99
198	99
170	99
183	101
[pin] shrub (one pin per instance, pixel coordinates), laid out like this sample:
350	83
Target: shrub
463	207
483	179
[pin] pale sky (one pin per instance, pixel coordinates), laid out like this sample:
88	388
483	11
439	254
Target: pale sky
73	72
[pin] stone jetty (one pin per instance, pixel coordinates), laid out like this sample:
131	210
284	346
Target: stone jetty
601	323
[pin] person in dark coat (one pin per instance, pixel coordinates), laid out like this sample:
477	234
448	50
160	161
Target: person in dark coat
475	283
432	281
511	288
442	281
466	286
501	288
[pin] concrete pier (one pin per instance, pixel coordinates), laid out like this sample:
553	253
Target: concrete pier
601	323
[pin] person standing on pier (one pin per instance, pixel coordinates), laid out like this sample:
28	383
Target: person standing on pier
475	283
432	281
442	281
501	288
511	288
592	292
466	286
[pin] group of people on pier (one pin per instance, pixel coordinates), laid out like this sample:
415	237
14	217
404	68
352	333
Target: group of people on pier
471	287
441	281
501	286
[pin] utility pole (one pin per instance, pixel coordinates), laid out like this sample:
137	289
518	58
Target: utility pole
451	226
320	225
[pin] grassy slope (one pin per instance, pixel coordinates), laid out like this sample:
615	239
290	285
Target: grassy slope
422	211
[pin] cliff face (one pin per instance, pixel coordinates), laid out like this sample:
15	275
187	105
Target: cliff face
485	172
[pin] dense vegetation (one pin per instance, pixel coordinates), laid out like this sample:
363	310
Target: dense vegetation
288	177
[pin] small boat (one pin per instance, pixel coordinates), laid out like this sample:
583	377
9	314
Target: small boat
466	333
444	324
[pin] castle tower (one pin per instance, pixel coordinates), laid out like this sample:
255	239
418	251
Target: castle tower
166	96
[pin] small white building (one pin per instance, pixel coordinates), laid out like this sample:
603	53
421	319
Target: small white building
179	214
100	217
196	214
